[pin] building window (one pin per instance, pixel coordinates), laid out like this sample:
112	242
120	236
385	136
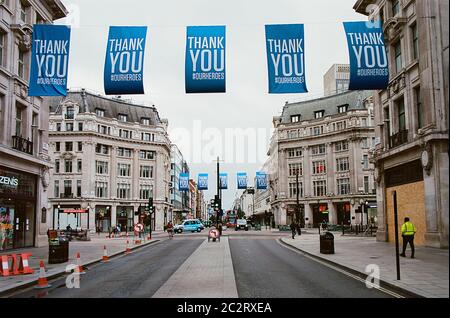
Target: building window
395	7
58	126
23	12
342	109
341	146
2	48
56	189
342	164
295	168
69	126
419	108
80	126
102	149
99	112
343	186
21	64
104	130
398	57
147	137
295	152
146	192
315	131
69	146
366	184
70	112
415	41
293	189
67	188
401	115
146	172
68	166
123	191
365	143
342	125
319	167
365	162
78	188
363	122
19	110
101	167
124	170
292	134
79	165
319	149
122	117
319	114
124	152
148	155
101	189
57	146
125	134
80	146
145	121
320	188
57	165
295	119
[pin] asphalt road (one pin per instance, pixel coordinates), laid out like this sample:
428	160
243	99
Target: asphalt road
138	275
264	269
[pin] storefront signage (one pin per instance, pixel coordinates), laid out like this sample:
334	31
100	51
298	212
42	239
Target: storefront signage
9	181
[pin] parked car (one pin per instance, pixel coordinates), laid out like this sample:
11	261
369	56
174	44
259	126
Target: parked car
242	225
189	226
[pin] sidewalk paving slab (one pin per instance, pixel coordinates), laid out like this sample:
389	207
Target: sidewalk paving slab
425	276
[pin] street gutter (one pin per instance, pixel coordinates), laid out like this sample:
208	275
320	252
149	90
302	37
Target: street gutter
383	283
5	292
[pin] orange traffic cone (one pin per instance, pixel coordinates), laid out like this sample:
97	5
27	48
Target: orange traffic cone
42	281
105	254
128	250
24	266
4	266
79	266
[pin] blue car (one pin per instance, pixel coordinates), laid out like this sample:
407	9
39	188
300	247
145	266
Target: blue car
189	226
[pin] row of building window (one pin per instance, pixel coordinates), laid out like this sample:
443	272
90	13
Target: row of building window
320	166
322	149
320	187
101	190
320	130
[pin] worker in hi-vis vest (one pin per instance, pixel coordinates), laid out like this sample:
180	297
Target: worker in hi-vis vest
408	232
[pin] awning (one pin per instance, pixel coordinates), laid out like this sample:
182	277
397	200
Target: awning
74	211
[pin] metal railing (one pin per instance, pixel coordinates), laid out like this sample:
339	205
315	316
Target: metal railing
23	145
398	139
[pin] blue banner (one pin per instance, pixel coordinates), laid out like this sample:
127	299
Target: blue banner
183	182
223	181
242	181
49	60
203	181
261	181
205	59
369	68
124	64
285	46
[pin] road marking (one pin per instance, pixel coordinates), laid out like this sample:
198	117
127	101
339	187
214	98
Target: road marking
382	289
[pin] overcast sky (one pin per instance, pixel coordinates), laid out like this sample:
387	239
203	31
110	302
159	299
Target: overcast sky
198	123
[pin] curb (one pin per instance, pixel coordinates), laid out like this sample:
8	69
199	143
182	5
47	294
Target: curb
404	292
58	273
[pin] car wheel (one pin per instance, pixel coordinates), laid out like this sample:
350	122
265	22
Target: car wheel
199	230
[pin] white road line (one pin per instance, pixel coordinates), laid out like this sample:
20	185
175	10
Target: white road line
382	289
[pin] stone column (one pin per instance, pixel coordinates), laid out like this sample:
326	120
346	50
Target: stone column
135	174
307	174
332	213
113	215
113	173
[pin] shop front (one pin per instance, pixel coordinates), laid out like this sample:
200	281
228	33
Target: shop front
343	210
125	218
102	218
72	216
17	209
320	214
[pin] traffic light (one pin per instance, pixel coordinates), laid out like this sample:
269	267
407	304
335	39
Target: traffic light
151	208
217	203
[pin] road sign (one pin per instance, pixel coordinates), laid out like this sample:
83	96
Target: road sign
139	227
213	233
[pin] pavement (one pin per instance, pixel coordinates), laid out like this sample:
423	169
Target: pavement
90	253
425	276
209	268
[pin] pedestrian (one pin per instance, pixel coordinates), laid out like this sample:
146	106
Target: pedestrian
219	227
293	229
408	232
119	229
299	229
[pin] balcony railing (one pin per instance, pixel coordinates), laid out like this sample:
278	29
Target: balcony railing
66	196
398	139
23	145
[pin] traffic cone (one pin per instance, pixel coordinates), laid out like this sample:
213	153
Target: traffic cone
79	266
105	254
24	266
128	250
15	264
4	266
42	281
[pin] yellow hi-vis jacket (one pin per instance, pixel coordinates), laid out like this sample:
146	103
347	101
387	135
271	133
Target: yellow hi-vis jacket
408	229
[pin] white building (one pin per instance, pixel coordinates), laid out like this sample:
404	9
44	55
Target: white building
24	160
110	156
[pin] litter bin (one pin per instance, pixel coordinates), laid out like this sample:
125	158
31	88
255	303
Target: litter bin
58	250
327	243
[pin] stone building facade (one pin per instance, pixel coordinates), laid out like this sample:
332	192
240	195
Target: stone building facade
412	117
110	156
327	142
24	158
